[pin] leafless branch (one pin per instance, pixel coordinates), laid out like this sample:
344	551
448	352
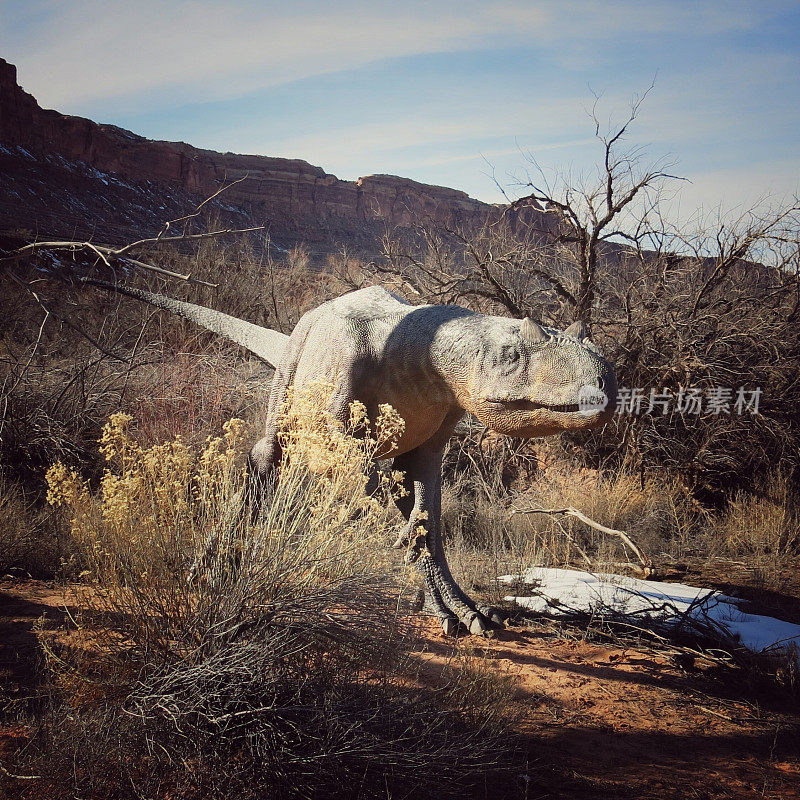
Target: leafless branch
647	566
199	208
110	255
18	777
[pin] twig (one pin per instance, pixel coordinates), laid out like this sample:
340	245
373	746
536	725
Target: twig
196	212
19	777
108	255
168	273
715	713
569	511
183	237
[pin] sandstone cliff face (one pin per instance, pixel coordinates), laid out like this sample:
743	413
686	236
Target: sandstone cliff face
281	192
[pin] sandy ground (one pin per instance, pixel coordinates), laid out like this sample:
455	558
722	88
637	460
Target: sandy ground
596	721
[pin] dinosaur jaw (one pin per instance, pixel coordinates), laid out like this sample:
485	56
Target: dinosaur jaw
528	419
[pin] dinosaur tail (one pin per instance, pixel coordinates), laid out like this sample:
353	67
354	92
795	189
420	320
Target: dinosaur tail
267	344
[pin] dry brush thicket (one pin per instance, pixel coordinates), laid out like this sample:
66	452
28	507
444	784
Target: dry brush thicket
671	309
712	317
70	357
287	666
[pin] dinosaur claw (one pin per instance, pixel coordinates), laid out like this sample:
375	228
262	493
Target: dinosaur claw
494	615
450	626
478	627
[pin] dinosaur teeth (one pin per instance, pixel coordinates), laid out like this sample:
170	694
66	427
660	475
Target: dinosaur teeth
530	405
565	407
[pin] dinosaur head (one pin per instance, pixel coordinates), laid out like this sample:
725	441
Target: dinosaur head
532	381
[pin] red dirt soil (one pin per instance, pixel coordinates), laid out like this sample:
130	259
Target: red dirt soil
597	721
607	722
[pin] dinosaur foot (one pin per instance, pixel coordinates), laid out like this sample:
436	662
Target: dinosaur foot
475	623
495	616
478	625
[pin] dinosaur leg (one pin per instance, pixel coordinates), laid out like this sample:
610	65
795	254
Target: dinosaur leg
422	508
262	461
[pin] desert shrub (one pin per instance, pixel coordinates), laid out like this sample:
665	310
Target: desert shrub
163	507
285	666
760	525
33	540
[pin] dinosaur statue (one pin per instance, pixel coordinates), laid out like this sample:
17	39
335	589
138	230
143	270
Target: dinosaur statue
432	364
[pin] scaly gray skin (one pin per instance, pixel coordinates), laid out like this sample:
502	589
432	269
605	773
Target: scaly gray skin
432	364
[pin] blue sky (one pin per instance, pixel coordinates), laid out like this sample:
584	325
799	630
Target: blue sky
443	92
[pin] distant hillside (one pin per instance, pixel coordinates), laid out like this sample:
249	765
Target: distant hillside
68	176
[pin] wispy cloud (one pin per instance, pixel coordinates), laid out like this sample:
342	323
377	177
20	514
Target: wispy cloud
81	52
98	50
517	151
449	125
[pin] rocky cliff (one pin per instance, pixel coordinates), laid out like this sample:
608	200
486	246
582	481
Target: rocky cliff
286	194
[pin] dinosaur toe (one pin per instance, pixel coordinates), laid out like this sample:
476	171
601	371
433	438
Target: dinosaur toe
478	625
495	616
450	626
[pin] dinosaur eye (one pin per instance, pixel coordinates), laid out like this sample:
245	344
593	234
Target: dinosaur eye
510	355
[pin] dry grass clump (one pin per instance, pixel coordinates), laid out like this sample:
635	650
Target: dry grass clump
657	515
492	522
490	534
489	480
32	540
761	525
760	532
285	668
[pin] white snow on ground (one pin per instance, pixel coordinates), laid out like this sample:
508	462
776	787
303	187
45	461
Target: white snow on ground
560	591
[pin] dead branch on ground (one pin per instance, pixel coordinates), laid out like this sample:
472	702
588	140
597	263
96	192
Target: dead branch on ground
569	511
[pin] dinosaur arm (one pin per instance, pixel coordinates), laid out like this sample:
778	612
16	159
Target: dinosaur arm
267	344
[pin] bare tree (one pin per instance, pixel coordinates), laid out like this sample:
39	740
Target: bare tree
677	309
499	268
615	205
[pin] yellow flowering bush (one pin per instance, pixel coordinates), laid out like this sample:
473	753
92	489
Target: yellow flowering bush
317	538
150	503
286	647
